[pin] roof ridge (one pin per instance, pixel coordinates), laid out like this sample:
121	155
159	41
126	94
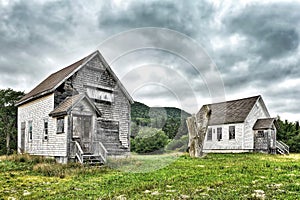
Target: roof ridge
229	101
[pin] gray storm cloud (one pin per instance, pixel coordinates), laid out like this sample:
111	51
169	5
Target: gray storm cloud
254	45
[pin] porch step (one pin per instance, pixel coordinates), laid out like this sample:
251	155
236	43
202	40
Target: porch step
92	159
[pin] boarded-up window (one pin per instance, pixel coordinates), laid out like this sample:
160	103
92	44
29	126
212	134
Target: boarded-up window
101	95
231	132
260	134
219	133
209	134
46	129
60	125
30	130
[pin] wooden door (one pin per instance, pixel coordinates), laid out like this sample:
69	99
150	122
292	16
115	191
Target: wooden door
23	128
82	132
86	134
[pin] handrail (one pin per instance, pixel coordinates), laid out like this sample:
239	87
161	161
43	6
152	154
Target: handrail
100	150
282	143
103	151
78	152
282	146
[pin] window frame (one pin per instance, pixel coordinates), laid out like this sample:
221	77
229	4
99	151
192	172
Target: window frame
30	130
260	134
46	130
59	125
231	135
219	133
209	134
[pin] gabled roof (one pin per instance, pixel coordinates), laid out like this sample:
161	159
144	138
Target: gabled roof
56	79
263	124
69	103
235	111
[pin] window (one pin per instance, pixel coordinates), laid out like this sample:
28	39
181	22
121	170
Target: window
45	129
219	134
100	94
260	134
30	130
60	125
231	132
209	134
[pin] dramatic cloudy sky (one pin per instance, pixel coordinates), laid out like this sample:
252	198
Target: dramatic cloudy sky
246	48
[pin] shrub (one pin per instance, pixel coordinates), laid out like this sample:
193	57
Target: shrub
180	144
149	140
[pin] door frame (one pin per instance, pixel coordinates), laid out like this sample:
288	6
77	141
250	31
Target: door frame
85	143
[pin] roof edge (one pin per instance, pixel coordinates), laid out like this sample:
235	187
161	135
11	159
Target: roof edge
57	85
19	103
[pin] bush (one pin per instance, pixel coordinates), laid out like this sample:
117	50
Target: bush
149	140
180	144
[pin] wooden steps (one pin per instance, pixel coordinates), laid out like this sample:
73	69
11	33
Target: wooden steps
92	159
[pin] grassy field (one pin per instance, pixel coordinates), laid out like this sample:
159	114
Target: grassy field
216	176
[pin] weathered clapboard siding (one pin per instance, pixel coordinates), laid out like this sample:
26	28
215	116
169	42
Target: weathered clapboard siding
249	116
37	111
231	145
94	75
258	111
94	105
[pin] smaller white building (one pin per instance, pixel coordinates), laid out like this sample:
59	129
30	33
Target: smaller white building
242	125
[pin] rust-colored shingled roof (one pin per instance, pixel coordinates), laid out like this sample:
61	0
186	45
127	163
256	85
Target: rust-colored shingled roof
69	103
49	83
265	123
235	111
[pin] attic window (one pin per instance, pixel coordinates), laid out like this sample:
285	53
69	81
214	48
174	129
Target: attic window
100	94
60	125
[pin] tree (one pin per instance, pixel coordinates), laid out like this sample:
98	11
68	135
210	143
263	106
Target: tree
288	133
197	130
149	140
8	119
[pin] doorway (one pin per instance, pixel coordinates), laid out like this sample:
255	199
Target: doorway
82	129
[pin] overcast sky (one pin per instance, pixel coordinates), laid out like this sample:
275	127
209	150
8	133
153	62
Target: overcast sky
254	46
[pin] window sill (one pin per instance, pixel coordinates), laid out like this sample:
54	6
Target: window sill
60	132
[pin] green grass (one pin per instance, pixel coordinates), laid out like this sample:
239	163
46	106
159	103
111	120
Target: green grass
216	176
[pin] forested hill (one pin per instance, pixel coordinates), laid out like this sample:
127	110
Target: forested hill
171	120
140	110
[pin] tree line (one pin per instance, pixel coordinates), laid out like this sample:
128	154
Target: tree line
167	123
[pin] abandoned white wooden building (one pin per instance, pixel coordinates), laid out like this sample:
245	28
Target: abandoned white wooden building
242	125
81	112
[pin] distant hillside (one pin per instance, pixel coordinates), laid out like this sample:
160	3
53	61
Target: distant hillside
171	120
140	110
